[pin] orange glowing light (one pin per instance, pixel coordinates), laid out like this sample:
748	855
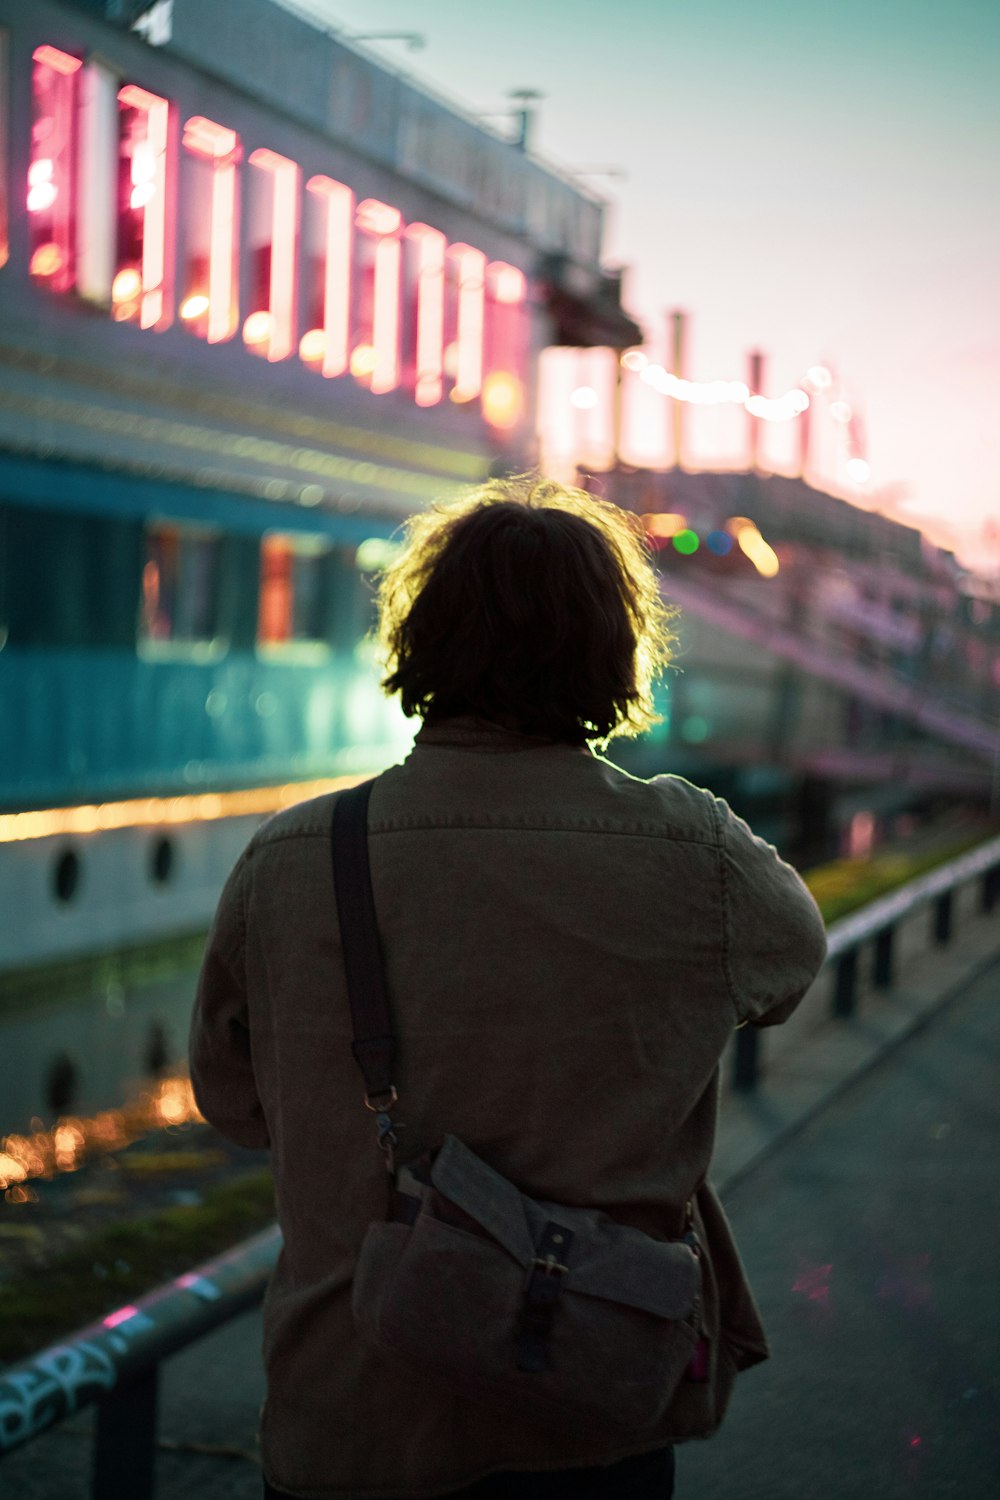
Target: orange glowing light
46	260
666	524
363	361
126	286
74	1139
154	812
337	271
312	346
503	399
194	307
283	289
257	328
508	283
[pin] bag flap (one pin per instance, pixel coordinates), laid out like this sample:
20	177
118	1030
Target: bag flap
490	1199
625	1265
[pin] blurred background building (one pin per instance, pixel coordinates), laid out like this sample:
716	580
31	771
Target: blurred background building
261	298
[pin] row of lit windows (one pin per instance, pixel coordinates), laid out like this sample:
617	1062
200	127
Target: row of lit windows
132	209
181	580
71	580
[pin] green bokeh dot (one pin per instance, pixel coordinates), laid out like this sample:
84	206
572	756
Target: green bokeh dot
686	542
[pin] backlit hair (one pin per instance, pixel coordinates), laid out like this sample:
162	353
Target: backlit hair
528	603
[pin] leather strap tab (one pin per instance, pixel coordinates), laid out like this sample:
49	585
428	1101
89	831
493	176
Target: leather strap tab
540	1297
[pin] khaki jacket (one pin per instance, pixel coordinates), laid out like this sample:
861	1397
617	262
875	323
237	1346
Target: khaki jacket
567	950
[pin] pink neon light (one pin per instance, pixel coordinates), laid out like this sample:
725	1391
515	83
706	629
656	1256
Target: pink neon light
429	386
470	267
220	146
382	221
59	62
378	218
149	174
51	173
505	332
283	292
385	323
337	271
121	1315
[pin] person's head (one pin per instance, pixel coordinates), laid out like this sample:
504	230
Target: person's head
527	603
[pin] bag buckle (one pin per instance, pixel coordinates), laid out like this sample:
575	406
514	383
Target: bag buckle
548	1265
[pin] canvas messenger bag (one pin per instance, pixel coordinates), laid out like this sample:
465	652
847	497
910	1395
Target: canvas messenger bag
547	1312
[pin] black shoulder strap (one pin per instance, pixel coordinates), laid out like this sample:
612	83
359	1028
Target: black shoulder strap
374	1045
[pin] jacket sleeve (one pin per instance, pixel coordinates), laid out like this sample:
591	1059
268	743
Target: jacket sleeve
774	939
222	1073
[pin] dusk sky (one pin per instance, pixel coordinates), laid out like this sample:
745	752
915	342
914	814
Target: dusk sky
819	182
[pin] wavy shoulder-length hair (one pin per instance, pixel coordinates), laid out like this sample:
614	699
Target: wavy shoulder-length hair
528	603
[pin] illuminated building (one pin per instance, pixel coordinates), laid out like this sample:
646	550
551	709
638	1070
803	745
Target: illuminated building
259	300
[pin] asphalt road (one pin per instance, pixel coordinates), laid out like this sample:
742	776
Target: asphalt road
872	1238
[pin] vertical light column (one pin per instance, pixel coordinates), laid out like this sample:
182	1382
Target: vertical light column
503	382
332	349
383	223
97	179
146	130
429	245
220	148
52	170
283	289
469	268
4	166
755	374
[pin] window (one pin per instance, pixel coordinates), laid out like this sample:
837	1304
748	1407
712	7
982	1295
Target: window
4	105
180	585
142	291
209	284
294	592
273	235
52	169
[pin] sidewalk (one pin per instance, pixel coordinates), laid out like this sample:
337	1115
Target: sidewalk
864	1200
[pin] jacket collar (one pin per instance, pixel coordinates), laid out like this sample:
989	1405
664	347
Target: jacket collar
467	732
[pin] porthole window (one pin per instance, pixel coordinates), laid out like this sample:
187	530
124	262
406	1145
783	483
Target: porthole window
62	1084
66	876
161	863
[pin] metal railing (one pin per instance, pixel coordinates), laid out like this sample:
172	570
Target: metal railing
115	1362
876	924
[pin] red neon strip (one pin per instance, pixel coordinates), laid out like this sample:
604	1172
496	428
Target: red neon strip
221	146
470	267
337	271
384	221
51	175
156	310
282	294
385	324
507	289
431	243
59	62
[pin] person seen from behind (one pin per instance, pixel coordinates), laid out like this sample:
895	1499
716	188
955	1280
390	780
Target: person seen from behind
567	951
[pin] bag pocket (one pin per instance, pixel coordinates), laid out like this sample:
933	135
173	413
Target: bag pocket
449	1303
